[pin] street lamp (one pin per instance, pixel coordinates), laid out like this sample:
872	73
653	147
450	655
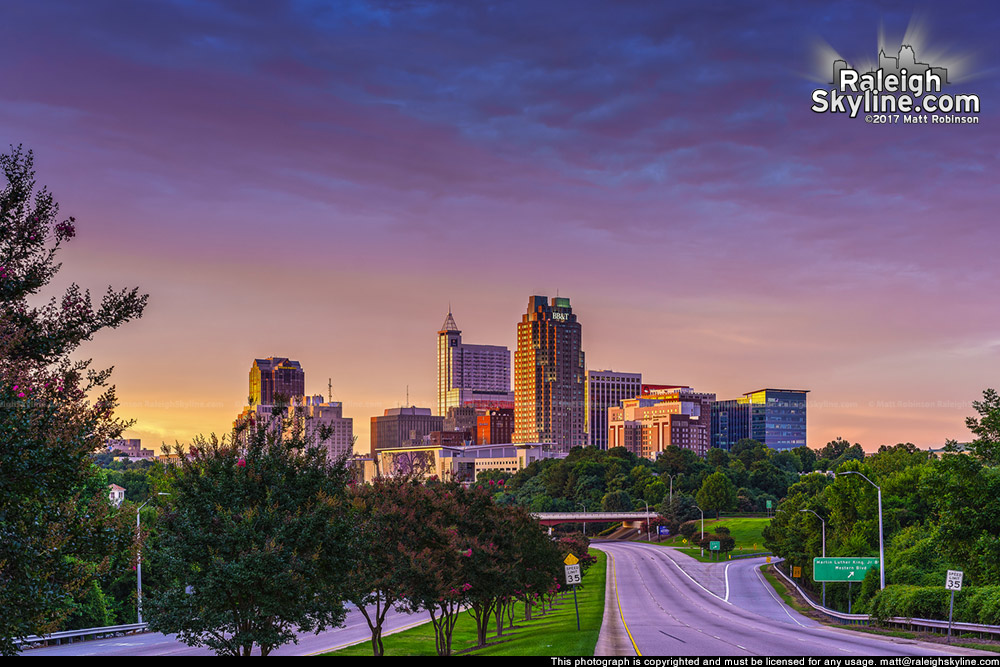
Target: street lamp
583	522
881	542
671	478
138	564
702	536
648	539
824	548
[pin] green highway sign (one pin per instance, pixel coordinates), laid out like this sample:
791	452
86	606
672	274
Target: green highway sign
842	569
713	545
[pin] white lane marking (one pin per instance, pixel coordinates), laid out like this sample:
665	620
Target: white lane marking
774	595
727	580
726	599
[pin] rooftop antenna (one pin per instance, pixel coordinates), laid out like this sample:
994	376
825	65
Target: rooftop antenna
329	389
407	395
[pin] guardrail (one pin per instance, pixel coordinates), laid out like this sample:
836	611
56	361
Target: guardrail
69	636
956	626
733	556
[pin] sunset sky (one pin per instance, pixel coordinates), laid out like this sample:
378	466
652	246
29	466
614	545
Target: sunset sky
321	180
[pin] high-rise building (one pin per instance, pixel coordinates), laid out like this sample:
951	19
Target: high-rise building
775	417
606	389
549	375
402	427
325	421
276	375
649	424
476	375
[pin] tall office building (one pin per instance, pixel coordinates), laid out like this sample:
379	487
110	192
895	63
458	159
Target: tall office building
549	375
276	375
775	417
477	375
606	389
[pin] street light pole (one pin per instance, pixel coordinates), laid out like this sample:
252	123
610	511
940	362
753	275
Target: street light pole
671	477
138	562
702	536
584	522
881	542
648	539
824	547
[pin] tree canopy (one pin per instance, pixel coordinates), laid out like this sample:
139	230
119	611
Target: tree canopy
256	541
57	528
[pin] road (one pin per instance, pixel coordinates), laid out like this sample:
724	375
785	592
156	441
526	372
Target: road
153	643
657	607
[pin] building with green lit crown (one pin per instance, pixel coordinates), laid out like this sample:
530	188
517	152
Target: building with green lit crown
775	417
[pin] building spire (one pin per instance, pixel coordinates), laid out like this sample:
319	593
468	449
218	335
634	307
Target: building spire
449	323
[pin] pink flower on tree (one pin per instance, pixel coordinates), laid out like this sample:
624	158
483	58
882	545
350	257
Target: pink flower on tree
65	230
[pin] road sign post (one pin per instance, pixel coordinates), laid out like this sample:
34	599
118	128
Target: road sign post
573	577
953	582
843	569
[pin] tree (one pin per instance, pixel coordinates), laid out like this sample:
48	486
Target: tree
749	451
717	457
57	529
617	501
535	562
386	512
257	541
717	493
433	574
986	446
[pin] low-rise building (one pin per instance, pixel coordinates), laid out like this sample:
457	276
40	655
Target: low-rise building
116	494
463	463
647	425
131	448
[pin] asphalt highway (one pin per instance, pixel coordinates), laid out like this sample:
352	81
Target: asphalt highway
665	603
153	643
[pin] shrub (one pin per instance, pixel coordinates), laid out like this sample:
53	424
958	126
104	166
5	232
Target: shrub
726	543
688	528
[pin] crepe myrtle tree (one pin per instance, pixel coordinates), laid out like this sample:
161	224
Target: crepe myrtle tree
257	540
57	528
389	522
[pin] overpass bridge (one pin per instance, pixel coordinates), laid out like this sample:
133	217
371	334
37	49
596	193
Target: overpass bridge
555	518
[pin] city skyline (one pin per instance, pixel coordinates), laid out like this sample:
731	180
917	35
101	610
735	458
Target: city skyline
322	182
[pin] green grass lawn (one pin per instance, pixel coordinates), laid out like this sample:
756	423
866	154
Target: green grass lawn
745	531
781	589
553	633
